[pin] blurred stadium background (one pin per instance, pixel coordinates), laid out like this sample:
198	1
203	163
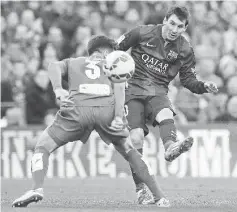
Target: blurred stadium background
33	33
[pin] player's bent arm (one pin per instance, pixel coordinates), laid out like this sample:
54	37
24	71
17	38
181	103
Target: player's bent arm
188	80
187	73
55	72
119	93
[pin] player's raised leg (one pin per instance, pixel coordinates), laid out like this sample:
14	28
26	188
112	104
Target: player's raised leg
139	166
173	148
39	167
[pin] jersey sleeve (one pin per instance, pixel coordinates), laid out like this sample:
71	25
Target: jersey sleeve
187	74
129	39
64	65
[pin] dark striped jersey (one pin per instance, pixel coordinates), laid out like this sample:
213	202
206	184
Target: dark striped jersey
88	86
158	61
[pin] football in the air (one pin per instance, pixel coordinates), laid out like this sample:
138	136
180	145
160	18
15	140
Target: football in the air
119	66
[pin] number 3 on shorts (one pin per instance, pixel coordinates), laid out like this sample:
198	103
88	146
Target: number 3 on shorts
93	71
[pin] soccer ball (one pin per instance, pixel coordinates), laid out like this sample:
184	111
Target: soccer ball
119	66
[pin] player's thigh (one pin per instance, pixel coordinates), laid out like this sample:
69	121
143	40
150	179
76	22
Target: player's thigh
104	116
135	107
70	124
155	105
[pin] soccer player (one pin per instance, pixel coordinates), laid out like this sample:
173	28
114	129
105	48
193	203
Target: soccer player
160	53
93	103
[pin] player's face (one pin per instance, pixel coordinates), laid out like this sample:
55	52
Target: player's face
173	27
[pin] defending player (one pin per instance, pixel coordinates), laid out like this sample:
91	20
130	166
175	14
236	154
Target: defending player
160	52
93	103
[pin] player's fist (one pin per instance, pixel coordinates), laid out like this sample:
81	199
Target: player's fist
62	97
118	124
61	94
211	87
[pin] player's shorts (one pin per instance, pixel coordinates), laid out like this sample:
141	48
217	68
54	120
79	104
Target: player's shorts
77	123
144	109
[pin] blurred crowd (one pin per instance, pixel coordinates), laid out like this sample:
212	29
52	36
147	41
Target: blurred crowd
34	33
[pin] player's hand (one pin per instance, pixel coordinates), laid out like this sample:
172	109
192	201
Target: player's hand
62	96
211	87
117	124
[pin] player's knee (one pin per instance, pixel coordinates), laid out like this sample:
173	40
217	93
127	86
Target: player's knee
46	142
164	114
137	138
123	147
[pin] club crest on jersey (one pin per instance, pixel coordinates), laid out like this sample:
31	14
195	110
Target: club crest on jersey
172	56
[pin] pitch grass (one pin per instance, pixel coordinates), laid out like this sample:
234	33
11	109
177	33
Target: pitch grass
106	194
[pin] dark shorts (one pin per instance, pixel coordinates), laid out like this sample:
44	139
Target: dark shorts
77	123
144	109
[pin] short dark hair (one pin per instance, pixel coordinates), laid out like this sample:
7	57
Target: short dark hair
181	12
100	41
